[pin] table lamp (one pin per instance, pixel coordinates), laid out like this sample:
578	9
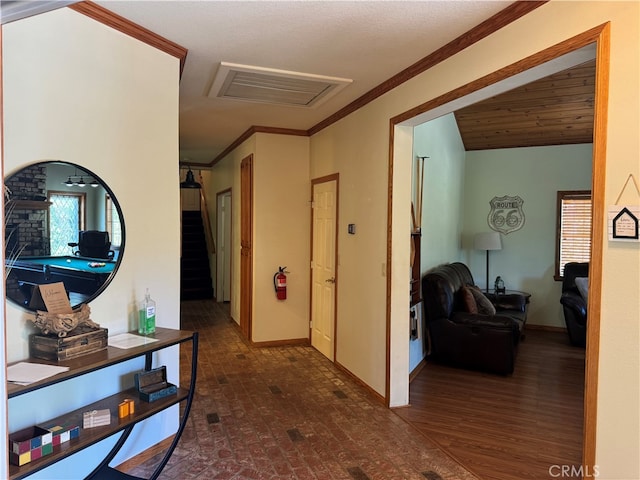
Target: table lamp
487	241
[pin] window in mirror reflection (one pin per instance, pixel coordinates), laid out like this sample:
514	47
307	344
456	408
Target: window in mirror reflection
66	215
113	224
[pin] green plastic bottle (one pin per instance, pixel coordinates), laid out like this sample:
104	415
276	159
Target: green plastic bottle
147	315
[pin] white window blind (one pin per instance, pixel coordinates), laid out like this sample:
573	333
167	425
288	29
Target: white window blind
575	228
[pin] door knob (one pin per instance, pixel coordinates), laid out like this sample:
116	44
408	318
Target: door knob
331	280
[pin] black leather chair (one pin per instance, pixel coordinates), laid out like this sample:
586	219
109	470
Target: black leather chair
574	304
479	341
93	244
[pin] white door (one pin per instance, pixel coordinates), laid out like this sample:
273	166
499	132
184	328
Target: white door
323	265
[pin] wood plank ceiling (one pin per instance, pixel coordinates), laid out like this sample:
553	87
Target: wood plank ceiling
556	110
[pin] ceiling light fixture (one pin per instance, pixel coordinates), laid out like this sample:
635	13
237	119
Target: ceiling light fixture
190	181
79	181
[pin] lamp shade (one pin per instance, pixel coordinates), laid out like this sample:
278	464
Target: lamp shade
487	241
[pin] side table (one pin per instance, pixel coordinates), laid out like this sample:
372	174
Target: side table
495	299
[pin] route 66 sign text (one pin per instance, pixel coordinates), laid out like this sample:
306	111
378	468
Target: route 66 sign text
506	214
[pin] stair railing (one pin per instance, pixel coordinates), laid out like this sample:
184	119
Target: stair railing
204	212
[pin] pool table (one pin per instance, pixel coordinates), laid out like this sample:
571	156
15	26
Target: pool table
77	273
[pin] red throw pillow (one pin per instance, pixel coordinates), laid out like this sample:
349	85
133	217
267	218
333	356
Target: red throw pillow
468	300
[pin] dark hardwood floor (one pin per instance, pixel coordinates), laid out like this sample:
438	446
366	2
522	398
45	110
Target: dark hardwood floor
523	426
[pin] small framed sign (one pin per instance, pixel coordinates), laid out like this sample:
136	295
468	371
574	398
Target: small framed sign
623	223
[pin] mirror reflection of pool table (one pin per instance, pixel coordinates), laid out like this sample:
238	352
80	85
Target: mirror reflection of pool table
80	275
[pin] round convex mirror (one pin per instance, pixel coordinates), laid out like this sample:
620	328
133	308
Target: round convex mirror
62	224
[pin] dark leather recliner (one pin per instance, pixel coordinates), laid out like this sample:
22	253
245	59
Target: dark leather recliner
470	340
574	304
93	244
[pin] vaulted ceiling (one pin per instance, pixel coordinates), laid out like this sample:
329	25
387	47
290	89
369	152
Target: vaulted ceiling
555	110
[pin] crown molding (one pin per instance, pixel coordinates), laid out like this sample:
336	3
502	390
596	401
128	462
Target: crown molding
115	21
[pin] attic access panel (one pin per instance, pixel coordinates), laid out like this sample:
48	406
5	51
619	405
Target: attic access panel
279	87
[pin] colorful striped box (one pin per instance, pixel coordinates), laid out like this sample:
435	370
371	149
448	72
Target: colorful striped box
29	444
62	433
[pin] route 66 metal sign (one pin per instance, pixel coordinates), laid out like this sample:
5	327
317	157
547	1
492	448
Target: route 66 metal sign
506	214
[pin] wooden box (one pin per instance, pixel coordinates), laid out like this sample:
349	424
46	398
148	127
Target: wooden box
152	384
29	444
81	341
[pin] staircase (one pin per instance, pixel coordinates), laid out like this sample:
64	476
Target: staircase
195	275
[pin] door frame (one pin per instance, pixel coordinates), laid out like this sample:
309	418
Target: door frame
246	265
228	246
600	36
316	181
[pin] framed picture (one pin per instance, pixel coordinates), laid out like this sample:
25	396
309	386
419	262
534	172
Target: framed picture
623	223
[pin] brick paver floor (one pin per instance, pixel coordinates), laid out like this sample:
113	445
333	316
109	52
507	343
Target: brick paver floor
288	413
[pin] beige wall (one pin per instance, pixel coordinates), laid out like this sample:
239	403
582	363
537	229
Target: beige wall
359	144
352	147
78	91
226	174
89	111
357	148
281	236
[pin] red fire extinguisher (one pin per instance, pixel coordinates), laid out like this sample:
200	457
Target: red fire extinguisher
280	283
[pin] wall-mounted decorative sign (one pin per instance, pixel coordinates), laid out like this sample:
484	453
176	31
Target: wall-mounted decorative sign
506	214
623	223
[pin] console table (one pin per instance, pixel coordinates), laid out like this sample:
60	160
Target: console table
96	361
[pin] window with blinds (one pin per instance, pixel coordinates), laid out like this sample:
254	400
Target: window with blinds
573	229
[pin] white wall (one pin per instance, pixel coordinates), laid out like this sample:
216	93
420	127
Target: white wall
78	91
527	259
444	190
443	200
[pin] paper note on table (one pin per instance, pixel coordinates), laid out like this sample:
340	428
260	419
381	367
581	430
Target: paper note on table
24	373
129	340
